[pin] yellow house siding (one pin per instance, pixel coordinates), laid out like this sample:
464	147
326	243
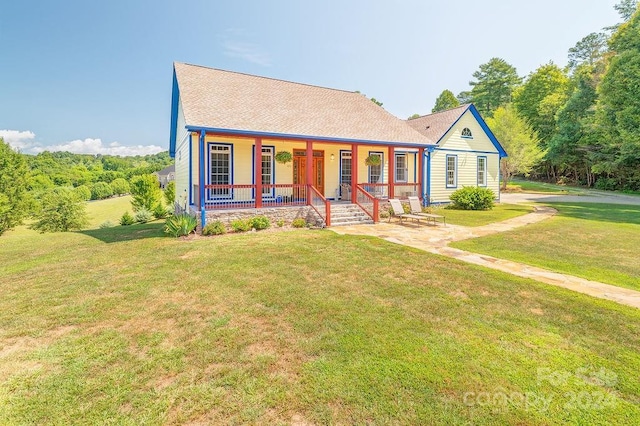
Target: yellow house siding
182	159
479	142
466	150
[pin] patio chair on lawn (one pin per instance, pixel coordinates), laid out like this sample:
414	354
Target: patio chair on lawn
398	211
416	208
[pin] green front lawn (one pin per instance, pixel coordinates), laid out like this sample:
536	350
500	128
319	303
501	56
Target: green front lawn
124	325
483	217
594	241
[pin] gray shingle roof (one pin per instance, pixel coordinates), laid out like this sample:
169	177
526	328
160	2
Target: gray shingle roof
434	126
213	98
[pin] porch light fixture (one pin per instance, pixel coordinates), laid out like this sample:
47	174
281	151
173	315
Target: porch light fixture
333	157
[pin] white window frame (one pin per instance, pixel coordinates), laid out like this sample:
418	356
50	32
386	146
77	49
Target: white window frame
451	171
220	193
482	171
404	169
267	151
345	155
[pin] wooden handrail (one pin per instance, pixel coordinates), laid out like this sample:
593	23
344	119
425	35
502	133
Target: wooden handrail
374	215
327	205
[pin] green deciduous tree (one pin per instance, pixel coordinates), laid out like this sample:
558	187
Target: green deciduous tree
494	84
101	190
518	139
573	146
83	192
413	116
14	179
146	192
170	193
540	98
445	101
59	210
619	106
120	186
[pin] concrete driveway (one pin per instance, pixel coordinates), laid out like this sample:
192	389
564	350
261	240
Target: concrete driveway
588	196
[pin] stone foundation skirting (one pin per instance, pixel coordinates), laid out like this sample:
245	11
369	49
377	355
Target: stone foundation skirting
286	214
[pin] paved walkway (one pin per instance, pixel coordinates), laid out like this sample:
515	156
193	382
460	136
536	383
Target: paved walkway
435	239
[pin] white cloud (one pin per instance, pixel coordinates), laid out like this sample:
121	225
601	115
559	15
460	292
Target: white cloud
18	139
25	142
95	146
250	52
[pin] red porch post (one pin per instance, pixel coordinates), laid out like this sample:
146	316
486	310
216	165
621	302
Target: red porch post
354	173
392	170
257	174
420	171
309	171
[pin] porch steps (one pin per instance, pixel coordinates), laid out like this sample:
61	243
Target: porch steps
348	214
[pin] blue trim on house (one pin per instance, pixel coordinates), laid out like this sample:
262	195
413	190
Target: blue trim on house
381	154
499	180
482	124
488	131
428	179
486	162
190	169
446	171
273	168
203	213
415	167
175	99
249	133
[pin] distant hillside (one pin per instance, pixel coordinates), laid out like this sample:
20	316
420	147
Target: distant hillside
50	169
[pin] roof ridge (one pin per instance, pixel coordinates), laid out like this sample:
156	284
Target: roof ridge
443	111
270	78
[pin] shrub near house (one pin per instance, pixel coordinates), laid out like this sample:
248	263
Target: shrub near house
472	198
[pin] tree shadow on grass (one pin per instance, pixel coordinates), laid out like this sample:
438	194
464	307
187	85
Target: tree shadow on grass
127	233
617	213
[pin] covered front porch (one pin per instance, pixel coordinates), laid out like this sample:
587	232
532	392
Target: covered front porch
226	173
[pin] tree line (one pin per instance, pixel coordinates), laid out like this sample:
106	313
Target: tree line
51	187
579	124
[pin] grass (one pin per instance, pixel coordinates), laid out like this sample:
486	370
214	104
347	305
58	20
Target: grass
483	217
533	186
110	209
304	326
593	241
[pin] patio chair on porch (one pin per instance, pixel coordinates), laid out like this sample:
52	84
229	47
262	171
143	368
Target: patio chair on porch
398	211
345	191
416	208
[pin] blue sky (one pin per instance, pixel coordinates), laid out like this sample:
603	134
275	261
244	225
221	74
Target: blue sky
95	76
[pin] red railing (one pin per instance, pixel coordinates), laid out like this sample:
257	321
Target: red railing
377	190
244	196
404	190
367	202
320	205
400	190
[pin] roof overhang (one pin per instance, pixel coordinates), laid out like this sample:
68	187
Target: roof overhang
301	138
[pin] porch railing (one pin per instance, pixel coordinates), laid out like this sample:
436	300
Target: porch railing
244	196
367	202
320	205
400	190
